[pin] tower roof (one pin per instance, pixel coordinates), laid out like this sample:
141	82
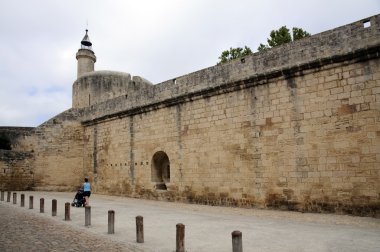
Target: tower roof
86	43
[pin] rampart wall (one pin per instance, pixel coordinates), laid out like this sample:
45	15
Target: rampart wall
333	46
59	153
295	127
16	158
308	143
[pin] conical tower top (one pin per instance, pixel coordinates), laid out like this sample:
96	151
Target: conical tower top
85	56
86	43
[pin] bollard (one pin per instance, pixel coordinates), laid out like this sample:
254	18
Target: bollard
42	205
67	211
9	196
22	204
87	216
111	222
2	195
139	229
30	202
237	243
14	198
180	238
54	207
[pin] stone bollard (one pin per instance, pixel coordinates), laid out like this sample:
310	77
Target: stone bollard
14	198
139	229
22	204
54	207
87	216
42	205
237	243
111	222
67	211
2	195
30	202
8	196
180	238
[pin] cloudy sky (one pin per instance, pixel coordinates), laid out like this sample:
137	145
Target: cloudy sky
155	39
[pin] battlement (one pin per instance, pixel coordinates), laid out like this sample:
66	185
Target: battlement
353	41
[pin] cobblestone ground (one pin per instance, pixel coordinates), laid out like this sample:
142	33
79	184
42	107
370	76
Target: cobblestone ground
20	231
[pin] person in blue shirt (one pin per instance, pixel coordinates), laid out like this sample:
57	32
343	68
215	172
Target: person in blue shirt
86	187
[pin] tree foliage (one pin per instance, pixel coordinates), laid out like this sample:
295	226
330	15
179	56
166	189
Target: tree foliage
279	37
299	33
234	53
283	36
276	38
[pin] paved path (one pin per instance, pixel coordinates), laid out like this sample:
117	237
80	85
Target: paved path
22	231
207	228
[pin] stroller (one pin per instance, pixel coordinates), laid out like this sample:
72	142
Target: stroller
79	199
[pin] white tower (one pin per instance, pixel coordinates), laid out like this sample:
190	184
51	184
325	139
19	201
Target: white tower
85	56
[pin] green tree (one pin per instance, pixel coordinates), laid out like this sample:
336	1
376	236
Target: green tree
279	37
262	47
283	36
299	33
234	53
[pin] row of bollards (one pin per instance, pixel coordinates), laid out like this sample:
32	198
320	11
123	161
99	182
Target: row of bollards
22	203
139	226
42	204
237	244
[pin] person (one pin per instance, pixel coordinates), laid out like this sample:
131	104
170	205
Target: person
86	187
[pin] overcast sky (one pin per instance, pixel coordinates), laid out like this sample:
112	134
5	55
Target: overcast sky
154	39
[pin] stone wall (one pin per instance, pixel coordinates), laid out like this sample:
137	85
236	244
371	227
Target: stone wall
16	170
59	153
333	46
296	127
16	158
48	157
308	143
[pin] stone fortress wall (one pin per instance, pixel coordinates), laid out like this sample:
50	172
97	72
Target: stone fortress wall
16	158
296	127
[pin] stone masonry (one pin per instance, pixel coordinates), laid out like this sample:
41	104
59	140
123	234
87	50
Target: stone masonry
295	127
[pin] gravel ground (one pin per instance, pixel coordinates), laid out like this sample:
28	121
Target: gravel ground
206	228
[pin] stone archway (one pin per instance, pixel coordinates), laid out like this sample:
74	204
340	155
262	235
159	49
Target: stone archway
160	170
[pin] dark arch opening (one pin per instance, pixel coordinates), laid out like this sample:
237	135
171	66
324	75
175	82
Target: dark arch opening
5	143
160	170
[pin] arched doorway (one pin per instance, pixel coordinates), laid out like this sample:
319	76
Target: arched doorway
160	170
